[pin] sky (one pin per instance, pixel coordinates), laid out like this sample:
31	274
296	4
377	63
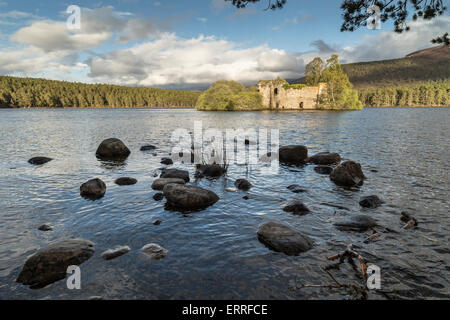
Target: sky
188	44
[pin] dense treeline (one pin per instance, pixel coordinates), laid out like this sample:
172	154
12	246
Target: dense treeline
433	94
27	92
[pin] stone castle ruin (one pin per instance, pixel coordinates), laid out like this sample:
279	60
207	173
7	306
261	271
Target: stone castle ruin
279	94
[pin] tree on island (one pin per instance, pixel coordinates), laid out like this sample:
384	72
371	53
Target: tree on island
339	91
356	15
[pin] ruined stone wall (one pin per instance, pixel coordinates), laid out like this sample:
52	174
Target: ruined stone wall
275	96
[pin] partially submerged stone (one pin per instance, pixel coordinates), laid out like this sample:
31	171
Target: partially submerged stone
160	183
188	197
242	184
356	223
282	238
148	147
116	252
166	161
295	188
348	174
210	170
296	207
45	227
93	189
175	173
112	149
371	202
39	160
293	154
50	264
154	251
323	169
325	158
125	181
158	196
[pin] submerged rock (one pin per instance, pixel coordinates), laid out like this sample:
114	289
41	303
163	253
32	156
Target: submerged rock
160	183
50	264
295	188
39	160
348	174
148	147
45	227
296	207
125	181
242	184
282	238
325	158
356	223
371	202
116	252
157	222
323	169
210	170
166	161
189	197
293	154
112	149
154	251
175	173
93	189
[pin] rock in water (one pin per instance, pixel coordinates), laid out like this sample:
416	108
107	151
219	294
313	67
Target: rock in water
116	252
112	149
325	158
148	147
282	238
242	184
175	173
188	197
125	181
154	251
93	189
356	223
371	202
160	183
50	264
166	161
293	154
323	169
348	174
210	170
296	207
45	227
39	160
295	188
158	196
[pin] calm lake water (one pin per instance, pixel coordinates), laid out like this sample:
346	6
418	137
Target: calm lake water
215	253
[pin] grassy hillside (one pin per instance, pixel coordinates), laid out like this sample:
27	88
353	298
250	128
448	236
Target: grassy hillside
27	92
421	78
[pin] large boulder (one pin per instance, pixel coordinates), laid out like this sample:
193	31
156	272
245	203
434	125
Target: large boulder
39	160
210	170
175	173
112	149
325	158
293	154
296	207
93	189
356	223
188	197
282	238
160	183
154	251
50	264
348	174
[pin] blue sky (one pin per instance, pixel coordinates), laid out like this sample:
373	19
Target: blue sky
187	43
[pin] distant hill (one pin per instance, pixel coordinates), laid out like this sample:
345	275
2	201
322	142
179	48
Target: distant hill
422	78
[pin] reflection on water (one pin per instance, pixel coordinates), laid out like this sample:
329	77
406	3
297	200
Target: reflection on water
215	253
